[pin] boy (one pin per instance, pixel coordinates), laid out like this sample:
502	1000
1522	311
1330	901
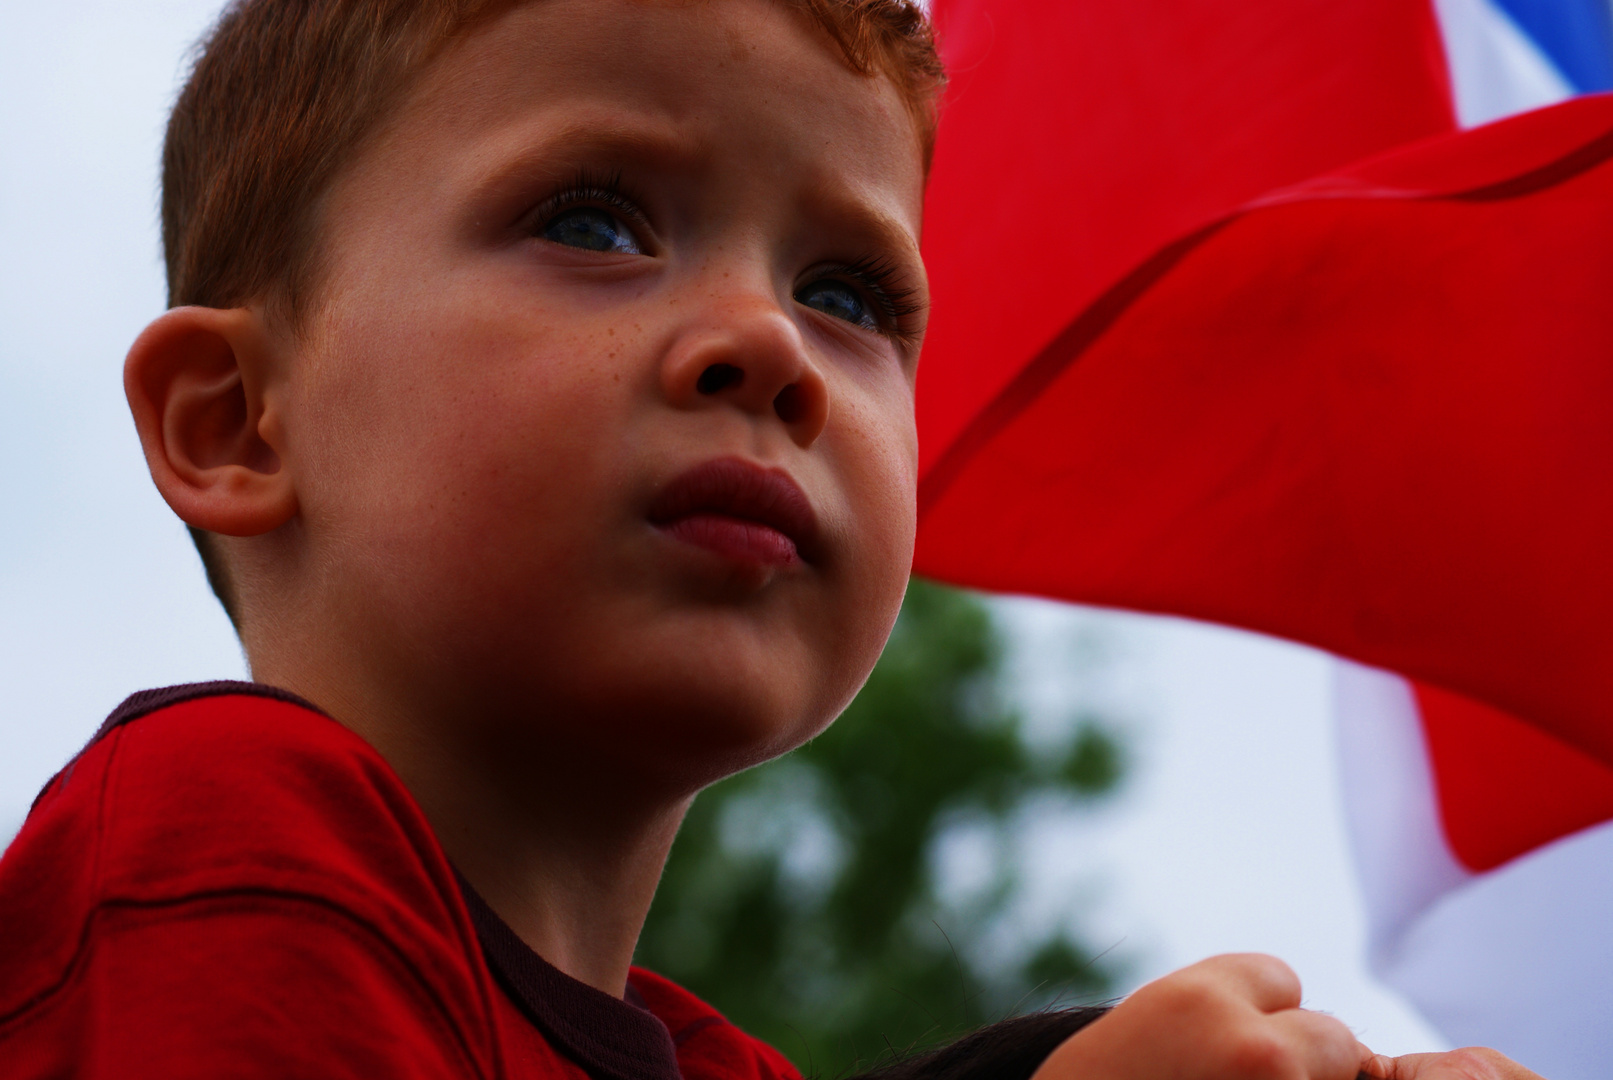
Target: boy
539	387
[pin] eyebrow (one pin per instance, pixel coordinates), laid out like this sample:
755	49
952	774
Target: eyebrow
880	232
539	152
864	219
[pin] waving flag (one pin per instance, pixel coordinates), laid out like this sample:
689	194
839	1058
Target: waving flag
1233	322
1485	846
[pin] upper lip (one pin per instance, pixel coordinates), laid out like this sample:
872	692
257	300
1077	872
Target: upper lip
734	487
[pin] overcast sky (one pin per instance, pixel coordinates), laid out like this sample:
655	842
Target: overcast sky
1229	835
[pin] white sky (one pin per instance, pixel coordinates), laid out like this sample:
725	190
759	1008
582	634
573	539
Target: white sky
1229	835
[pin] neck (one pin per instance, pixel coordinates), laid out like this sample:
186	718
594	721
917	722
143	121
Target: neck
569	861
573	882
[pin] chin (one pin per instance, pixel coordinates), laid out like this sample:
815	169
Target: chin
696	730
683	694
685	718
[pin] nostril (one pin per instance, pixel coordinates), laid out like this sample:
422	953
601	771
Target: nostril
719	377
789	404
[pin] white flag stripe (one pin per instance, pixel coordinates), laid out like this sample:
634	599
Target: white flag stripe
1496	70
1521	959
1392	812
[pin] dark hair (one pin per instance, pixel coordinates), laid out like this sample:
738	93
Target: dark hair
1009	1050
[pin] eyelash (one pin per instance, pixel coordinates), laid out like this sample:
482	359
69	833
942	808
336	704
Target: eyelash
591	189
879	276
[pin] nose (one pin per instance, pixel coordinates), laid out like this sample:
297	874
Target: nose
750	356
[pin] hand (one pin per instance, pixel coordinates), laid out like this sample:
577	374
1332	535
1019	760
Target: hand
1227	1018
1472	1063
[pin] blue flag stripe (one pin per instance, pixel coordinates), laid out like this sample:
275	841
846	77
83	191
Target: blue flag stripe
1577	35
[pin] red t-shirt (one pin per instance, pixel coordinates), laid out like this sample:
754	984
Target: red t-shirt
227	883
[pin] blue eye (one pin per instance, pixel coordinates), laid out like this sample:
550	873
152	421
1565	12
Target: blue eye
838	300
591	229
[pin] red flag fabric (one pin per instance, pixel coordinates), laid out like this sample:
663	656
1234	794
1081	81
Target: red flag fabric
1504	786
1171	371
1078	139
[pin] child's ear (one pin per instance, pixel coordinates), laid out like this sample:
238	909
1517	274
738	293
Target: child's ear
199	383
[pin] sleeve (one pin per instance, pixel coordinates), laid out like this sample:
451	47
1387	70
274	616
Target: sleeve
250	987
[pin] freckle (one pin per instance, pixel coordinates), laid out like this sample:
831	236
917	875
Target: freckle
610	330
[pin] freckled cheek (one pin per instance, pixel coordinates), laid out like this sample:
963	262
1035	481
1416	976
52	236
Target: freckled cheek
887	451
469	451
879	485
880	466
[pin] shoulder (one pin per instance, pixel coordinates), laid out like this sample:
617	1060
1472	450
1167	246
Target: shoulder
266	790
225	786
709	1046
238	803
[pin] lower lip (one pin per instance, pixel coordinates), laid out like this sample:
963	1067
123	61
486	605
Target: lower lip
734	538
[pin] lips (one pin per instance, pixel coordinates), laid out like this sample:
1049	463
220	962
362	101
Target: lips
740	511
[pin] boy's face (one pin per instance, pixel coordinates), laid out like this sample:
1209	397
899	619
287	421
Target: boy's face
603	421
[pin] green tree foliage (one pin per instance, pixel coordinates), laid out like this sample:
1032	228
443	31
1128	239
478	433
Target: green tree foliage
802	897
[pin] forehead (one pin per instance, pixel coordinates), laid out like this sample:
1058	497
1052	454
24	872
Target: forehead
724	87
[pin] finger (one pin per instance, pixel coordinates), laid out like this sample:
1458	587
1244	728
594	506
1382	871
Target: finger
1379	1067
1470	1063
1412	1066
1264	981
1326	1049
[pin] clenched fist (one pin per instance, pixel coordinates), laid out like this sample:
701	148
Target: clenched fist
1231	1017
1237	1017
